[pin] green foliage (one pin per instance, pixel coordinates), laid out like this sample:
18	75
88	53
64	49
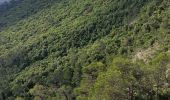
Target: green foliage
84	50
126	80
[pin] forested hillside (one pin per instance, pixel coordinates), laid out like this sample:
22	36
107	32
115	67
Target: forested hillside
85	50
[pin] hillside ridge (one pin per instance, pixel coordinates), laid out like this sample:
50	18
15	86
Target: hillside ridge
85	50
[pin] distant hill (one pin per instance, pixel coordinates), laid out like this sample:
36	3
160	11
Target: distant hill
2	1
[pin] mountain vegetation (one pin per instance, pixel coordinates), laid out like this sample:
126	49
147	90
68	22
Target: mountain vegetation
85	50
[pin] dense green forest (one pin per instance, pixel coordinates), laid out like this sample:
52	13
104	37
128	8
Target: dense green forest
85	50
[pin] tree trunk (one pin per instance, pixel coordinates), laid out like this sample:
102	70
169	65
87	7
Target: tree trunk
65	95
130	94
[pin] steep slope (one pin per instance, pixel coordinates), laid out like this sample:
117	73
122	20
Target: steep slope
50	48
